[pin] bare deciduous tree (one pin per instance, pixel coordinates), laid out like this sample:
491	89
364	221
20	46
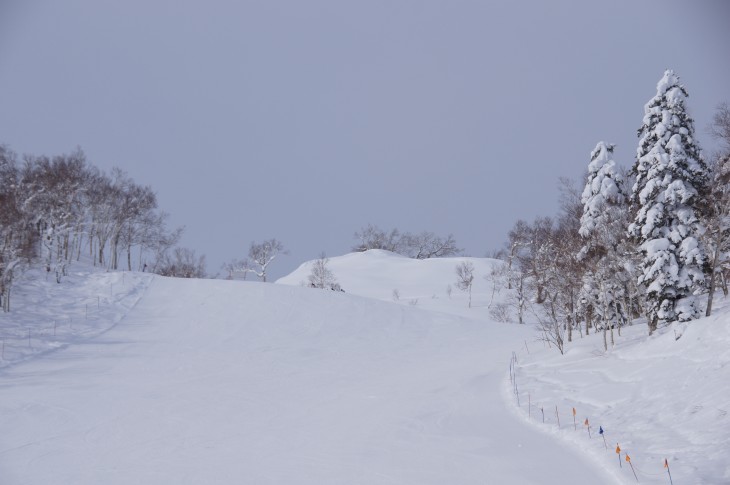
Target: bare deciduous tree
321	276
263	254
183	263
465	277
372	237
717	220
424	245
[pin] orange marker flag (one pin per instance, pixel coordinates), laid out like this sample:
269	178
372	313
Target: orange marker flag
666	465
618	449
588	427
575	426
586	423
618	452
628	459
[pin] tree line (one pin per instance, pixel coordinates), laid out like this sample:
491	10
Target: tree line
58	209
641	242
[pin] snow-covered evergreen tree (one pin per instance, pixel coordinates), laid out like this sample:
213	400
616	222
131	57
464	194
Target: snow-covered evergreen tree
671	180
602	198
602	226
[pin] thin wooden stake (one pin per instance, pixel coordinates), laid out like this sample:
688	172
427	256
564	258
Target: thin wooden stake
666	465
557	416
628	458
543	413
575	425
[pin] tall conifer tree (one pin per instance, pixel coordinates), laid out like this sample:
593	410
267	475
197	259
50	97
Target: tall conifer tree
671	181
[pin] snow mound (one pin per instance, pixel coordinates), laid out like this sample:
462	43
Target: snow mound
425	283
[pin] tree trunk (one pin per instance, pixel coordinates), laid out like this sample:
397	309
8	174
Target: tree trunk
713	272
613	342
570	330
114	250
101	251
652	321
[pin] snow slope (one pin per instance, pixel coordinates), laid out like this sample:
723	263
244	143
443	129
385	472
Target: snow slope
657	397
199	381
422	283
46	316
233	382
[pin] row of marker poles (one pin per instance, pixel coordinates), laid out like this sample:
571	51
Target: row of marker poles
627	458
586	423
55	326
111	291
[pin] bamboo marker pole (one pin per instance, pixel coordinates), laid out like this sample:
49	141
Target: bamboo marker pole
666	465
628	459
575	425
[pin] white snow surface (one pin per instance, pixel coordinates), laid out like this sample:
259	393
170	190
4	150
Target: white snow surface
218	382
203	381
423	283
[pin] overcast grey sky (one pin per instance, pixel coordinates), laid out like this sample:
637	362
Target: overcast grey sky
305	120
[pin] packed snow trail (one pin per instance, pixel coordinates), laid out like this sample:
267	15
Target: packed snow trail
230	382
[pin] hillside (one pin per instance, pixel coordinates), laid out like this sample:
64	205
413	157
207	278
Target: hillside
134	378
224	382
660	397
422	283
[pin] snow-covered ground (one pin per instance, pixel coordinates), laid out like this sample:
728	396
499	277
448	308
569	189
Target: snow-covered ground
46	316
656	397
660	397
429	284
239	382
203	381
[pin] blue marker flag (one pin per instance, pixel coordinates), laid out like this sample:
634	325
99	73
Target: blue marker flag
600	430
